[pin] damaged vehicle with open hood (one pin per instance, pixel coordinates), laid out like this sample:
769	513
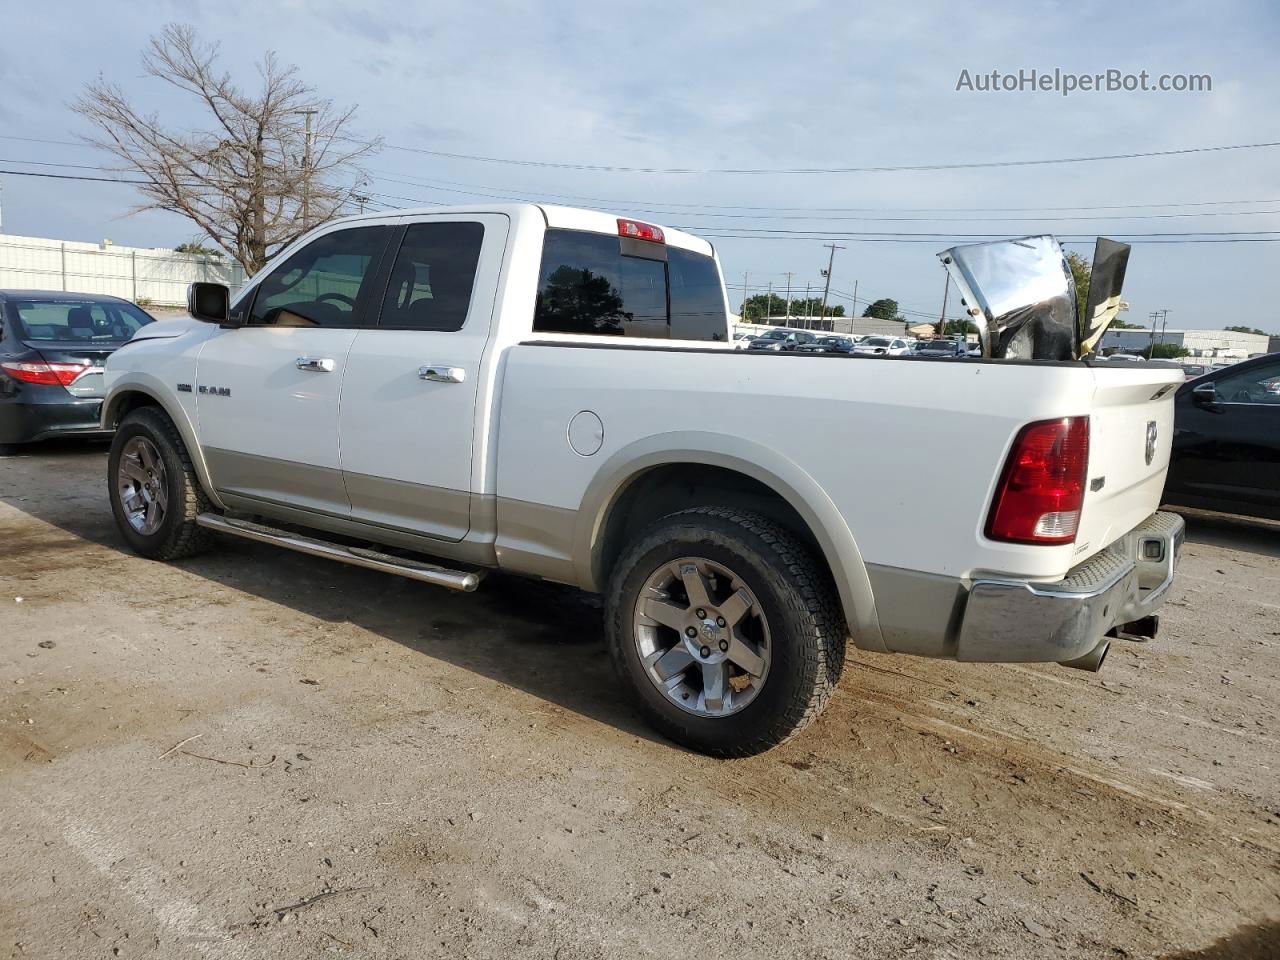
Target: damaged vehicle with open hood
552	392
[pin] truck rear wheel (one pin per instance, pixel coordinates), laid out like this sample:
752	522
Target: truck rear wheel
155	493
725	629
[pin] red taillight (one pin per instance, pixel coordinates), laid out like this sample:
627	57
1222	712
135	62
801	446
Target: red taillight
1042	488
640	231
45	374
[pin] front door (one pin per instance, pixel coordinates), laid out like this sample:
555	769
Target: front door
409	398
267	392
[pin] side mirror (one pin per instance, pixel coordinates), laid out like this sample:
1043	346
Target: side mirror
1205	394
209	302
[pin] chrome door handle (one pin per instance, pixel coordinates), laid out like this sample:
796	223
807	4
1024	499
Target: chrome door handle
316	364
442	374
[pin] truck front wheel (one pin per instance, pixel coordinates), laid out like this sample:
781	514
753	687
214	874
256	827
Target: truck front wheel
725	629
155	493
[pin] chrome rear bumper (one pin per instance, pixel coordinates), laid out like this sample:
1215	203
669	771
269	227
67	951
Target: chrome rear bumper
1024	621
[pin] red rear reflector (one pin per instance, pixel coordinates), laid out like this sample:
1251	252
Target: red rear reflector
45	374
640	231
1041	489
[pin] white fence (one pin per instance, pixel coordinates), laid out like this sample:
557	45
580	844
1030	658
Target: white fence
155	275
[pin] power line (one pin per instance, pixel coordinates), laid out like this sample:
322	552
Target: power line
483	190
906	168
1065	241
431	183
900	168
764	233
68	176
620	205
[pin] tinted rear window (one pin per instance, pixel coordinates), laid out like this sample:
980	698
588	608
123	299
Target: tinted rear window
586	285
54	320
697	300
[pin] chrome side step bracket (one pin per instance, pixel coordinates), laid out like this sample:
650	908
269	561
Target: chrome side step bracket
464	580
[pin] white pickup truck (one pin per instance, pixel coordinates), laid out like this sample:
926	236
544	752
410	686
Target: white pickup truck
552	392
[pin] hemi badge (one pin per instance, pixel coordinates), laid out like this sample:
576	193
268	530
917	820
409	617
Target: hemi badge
184	388
1097	483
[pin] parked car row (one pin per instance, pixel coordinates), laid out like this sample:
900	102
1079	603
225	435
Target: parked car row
784	340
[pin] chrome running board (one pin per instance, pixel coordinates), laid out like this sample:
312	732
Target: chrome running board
463	580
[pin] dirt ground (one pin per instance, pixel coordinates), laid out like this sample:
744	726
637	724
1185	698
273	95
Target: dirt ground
254	753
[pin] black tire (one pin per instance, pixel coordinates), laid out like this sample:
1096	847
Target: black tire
798	599
178	535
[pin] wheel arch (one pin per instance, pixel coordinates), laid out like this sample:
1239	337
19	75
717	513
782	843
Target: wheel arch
668	472
128	395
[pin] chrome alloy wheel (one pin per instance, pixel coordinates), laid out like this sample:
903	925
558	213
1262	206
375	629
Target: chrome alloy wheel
142	485
702	637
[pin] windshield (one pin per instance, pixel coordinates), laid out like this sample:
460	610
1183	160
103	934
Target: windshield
939	346
876	342
776	335
79	321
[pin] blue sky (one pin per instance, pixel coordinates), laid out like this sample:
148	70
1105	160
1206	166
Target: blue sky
718	85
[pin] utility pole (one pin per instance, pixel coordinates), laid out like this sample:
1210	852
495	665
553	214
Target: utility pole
306	167
1164	324
808	307
768	303
745	288
788	310
1152	317
827	273
942	317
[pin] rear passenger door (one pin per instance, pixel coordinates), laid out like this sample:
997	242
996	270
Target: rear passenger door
408	418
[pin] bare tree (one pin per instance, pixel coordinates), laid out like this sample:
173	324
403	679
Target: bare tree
272	165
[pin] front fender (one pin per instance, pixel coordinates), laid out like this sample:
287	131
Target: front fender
129	384
783	476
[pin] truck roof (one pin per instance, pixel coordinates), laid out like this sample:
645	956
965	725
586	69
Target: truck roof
557	217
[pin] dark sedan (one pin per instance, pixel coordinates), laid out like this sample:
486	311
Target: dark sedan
1226	440
52	348
827	345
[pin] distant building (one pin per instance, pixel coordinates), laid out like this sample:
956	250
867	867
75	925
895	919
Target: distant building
1208	344
1273	345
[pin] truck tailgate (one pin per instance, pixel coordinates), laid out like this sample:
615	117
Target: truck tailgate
1131	434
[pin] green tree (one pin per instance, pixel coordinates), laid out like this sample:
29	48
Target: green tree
1164	351
579	301
761	305
1080	270
195	250
884	309
1247	330
958	328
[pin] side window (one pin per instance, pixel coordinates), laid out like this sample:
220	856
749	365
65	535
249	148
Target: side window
698	310
320	285
1259	385
586	285
430	286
